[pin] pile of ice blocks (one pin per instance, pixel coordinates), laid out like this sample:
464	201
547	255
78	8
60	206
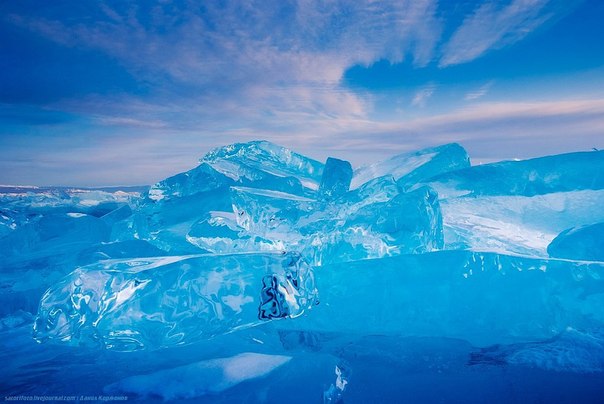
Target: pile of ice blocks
422	244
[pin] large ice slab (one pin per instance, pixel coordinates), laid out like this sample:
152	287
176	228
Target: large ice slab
267	157
259	164
410	168
160	302
409	223
348	230
543	175
579	243
483	298
517	224
202	178
166	223
174	205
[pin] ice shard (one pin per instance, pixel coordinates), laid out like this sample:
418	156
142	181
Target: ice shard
539	176
409	223
270	213
411	168
159	302
202	178
266	157
337	175
219	233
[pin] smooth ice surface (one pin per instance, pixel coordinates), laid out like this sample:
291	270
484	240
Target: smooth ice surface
484	298
581	243
410	280
199	379
157	302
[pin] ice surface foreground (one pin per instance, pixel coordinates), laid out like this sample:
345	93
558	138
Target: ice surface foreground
422	244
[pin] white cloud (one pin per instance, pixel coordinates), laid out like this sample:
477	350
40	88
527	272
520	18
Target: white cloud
492	26
479	92
279	57
246	70
422	95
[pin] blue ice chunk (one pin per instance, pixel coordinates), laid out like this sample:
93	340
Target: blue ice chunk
219	233
411	168
407	223
270	214
202	178
579	243
212	177
166	223
484	298
539	176
267	157
515	223
159	302
337	175
380	189
175	204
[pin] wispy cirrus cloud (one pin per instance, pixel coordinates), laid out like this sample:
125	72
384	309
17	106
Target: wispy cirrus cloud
479	92
493	25
422	96
210	73
285	56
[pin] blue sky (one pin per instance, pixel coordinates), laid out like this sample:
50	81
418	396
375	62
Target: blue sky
99	93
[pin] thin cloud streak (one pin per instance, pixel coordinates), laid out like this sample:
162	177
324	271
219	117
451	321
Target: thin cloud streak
491	27
478	93
423	95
